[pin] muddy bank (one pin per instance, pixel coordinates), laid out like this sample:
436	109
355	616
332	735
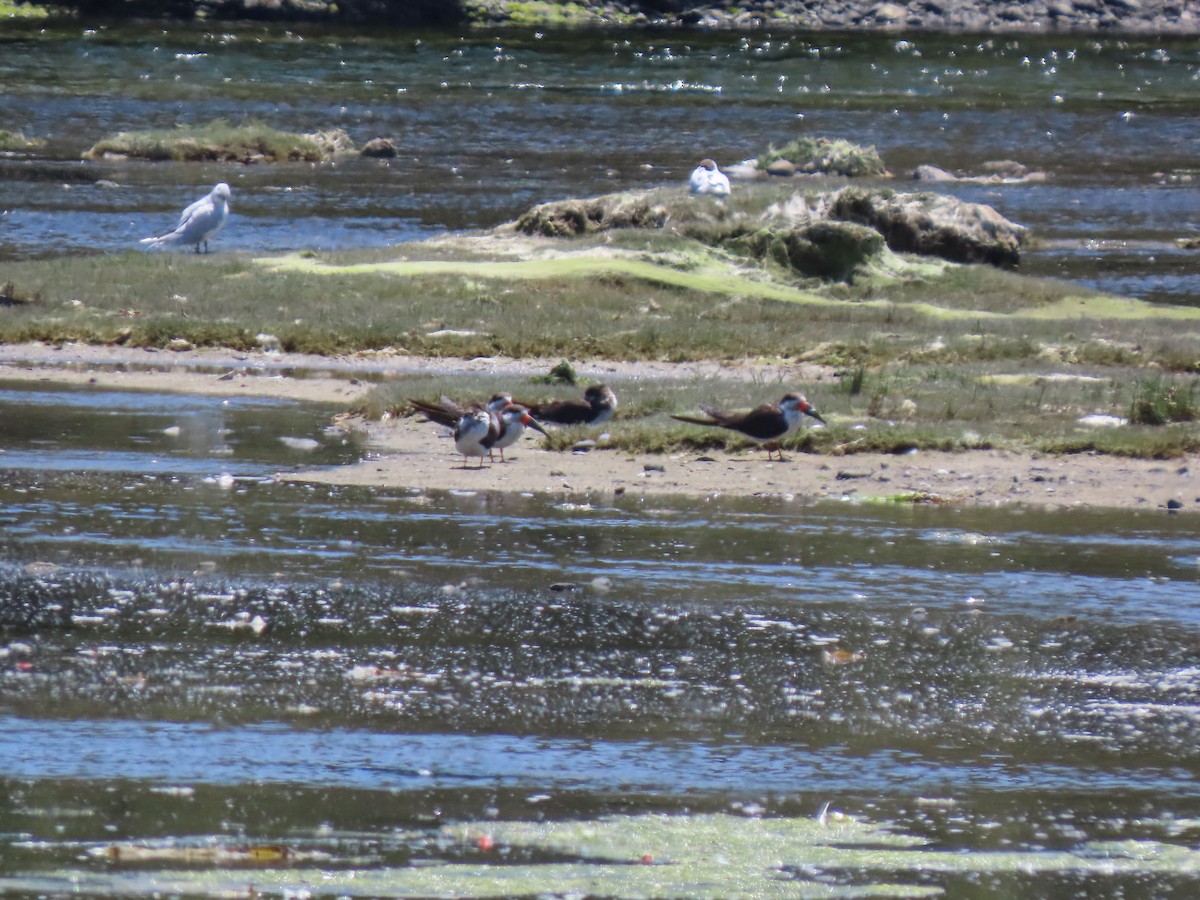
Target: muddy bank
414	454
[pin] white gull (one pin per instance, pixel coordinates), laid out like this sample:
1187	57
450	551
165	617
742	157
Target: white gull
199	222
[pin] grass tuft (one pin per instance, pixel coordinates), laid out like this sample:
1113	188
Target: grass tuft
1159	401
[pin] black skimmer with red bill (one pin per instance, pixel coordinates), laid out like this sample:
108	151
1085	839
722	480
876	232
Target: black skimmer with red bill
597	407
449	413
481	431
768	424
510	423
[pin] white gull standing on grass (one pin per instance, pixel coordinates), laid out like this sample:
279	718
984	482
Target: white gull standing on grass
708	179
199	222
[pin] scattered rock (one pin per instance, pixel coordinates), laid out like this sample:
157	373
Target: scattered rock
781	167
933	174
380	147
997	171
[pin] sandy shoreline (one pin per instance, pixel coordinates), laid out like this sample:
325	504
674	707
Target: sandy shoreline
413	453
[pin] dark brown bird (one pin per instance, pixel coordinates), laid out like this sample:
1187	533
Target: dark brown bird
597	407
768	424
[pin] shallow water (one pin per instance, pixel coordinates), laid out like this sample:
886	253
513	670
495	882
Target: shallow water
208	682
489	124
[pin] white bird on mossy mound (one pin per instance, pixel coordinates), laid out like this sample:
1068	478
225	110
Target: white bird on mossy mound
708	179
199	222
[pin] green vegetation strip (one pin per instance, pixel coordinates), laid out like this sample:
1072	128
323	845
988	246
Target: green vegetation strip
713	280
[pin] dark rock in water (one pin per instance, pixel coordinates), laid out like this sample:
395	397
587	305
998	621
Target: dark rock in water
933	225
381	147
821	249
570	218
781	167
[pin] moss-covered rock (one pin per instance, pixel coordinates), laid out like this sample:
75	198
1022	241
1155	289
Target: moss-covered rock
933	225
571	218
825	156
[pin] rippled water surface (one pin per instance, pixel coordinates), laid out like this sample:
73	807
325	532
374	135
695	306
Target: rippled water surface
491	123
211	678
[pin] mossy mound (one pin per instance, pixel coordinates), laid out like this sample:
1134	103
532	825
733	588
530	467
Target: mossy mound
219	141
830	235
571	218
825	156
832	251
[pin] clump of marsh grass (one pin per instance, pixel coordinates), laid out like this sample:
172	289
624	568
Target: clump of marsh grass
216	141
825	155
1159	401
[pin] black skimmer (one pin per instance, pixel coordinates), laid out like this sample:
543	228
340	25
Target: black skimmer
708	179
597	407
767	424
199	222
472	433
448	413
481	431
509	424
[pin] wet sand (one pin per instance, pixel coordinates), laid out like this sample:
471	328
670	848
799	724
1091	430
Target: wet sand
412	453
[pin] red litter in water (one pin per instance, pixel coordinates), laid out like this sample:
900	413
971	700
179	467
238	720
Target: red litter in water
24	666
647	859
486	843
